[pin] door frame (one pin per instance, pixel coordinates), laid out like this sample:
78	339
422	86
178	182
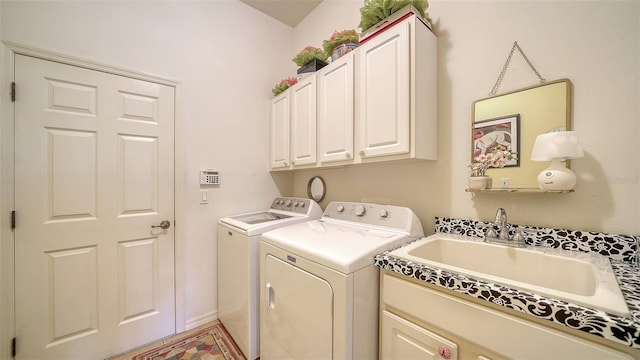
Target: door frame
8	50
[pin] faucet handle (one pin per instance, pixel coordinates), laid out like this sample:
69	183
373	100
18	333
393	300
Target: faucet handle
491	233
518	236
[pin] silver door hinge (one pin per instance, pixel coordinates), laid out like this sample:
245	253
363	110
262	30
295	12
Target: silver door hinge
13	92
14	347
13	219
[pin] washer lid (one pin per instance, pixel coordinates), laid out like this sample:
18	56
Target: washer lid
257	223
339	246
283	211
259	217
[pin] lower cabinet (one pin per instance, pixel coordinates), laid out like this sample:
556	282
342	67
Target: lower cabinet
402	339
419	322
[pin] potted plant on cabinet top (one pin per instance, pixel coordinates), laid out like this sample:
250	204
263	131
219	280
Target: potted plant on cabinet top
375	11
283	85
310	59
478	179
340	43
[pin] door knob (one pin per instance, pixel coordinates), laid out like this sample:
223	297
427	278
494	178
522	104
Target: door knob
164	224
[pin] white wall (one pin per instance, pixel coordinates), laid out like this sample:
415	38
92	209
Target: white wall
593	43
227	57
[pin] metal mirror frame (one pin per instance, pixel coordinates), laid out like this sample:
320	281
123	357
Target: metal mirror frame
316	188
538	115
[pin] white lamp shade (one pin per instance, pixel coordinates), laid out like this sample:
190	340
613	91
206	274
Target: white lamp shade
556	147
561	145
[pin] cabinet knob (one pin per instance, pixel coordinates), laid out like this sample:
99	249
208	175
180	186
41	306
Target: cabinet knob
444	352
286	163
293	162
362	153
347	156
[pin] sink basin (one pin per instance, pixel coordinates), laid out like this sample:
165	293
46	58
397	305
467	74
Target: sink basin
579	278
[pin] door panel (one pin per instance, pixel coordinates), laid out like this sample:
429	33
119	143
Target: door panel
73	287
72	165
138	160
92	277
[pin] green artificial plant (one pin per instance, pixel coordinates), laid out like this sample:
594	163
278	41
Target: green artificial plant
338	38
374	11
307	55
283	85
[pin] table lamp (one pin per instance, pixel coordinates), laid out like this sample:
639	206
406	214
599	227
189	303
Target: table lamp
557	147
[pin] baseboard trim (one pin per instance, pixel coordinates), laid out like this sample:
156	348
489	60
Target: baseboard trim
200	320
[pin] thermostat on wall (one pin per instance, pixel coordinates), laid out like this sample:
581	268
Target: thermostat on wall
209	177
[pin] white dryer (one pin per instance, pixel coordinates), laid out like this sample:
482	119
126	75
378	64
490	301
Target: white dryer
238	268
319	285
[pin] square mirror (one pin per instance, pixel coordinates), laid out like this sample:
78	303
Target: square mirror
513	121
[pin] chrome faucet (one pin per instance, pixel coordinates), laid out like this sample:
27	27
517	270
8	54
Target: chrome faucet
501	223
502	237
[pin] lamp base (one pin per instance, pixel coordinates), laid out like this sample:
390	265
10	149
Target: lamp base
556	177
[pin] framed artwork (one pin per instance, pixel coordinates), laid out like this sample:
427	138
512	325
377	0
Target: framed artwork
496	134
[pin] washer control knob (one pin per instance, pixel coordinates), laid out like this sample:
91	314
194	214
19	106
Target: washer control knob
302	204
384	213
296	204
360	210
288	202
340	208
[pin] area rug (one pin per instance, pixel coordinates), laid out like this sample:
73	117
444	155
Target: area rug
213	343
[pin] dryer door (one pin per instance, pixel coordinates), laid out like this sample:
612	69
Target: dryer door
297	313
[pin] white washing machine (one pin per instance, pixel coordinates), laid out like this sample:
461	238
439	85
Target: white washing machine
319	285
238	268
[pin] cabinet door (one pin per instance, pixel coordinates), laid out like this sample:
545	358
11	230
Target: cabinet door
384	88
402	339
335	111
303	122
280	131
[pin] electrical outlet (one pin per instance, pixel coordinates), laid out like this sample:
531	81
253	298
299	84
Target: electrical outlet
504	182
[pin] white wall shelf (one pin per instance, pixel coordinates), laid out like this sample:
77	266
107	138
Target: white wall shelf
519	190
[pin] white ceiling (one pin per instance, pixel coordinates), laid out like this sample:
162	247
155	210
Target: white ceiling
290	12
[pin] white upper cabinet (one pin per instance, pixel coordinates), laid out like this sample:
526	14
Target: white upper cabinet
280	111
293	126
397	80
303	122
335	111
376	103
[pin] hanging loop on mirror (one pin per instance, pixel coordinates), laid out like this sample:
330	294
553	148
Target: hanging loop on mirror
506	66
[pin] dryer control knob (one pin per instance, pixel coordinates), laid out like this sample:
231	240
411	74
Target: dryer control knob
360	210
288	202
340	208
384	213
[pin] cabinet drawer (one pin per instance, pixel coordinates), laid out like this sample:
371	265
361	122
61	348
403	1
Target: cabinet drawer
505	334
402	339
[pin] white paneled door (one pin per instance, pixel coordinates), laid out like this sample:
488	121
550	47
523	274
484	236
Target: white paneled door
94	155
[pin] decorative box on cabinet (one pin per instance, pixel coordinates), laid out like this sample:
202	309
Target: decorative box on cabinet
397	94
336	112
293	126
